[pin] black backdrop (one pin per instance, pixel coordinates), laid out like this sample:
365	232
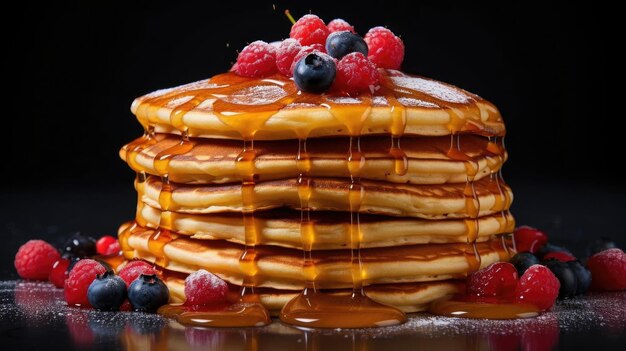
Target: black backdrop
72	70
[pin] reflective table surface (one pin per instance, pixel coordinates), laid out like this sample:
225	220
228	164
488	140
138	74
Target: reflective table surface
33	316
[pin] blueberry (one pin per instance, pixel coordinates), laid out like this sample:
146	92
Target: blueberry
583	276
547	248
147	293
107	292
600	245
80	246
315	72
566	277
523	260
339	44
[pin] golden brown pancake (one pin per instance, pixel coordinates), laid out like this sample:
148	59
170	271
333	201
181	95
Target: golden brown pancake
408	297
214	160
231	107
332	229
281	268
331	194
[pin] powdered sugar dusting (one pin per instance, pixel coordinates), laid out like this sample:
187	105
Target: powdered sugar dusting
256	95
204	278
344	100
411	102
432	88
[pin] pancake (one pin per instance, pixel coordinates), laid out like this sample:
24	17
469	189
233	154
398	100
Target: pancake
231	107
214	160
331	194
332	229
282	268
408	297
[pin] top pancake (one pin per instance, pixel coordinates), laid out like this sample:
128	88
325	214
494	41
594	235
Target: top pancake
228	106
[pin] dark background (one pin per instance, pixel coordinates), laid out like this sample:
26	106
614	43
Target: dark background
72	70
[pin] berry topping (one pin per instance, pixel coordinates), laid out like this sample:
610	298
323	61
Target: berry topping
386	50
496	280
339	25
285	54
305	50
258	59
80	246
34	260
147	293
559	256
522	261
133	269
107	245
315	72
59	272
566	277
529	239
107	292
600	245
355	73
204	288
583	276
77	284
339	44
608	270
538	286
309	29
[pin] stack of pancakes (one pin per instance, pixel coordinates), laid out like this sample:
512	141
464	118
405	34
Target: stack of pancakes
278	189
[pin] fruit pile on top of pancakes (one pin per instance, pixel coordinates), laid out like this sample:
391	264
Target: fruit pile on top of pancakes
372	178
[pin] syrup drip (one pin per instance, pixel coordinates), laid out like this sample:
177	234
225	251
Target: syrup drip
503	201
398	125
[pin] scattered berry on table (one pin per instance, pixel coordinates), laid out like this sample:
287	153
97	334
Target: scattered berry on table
340	25
522	261
80	246
133	269
204	288
315	72
309	29
77	284
583	276
496	280
258	59
339	44
34	260
107	292
529	239
548	248
59	272
566	277
608	270
600	245
147	293
107	245
386	50
538	286
285	54
559	256
355	74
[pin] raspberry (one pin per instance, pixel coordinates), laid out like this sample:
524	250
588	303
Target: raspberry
59	272
559	255
287	50
538	286
258	59
204	288
309	30
34	260
77	284
133	269
355	73
304	50
529	239
107	245
496	280
608	270
386	50
339	25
